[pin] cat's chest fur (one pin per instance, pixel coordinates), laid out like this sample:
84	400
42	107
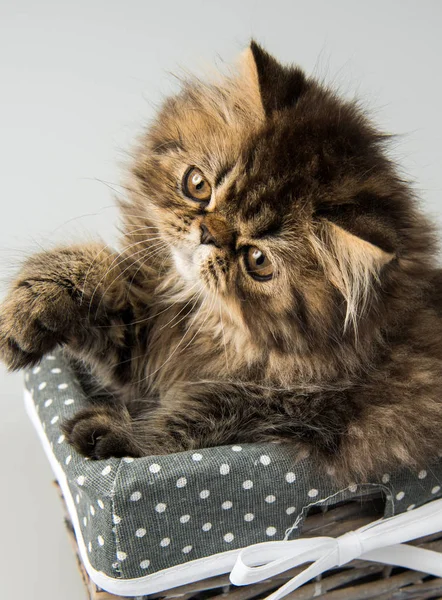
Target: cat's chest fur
184	346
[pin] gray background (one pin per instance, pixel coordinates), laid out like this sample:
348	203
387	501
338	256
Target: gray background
78	79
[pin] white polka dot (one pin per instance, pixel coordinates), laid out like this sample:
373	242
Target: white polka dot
69	401
144	564
236	448
135	496
207	527
92	509
331	471
84	521
264	459
54	419
313	493
247	485
185	519
204	494
62	386
385	478
269	499
411	507
270	531
116	519
224	469
42	385
422	474
229	537
121	555
290	510
106	470
181	482
165	542
61	439
435	489
400	496
140	532
89	547
68	459
36	370
81	479
128	459
249	517
56	370
100	540
226	505
48	402
50	357
197	456
160	507
187	549
353	487
100	503
77	499
290	477
154	468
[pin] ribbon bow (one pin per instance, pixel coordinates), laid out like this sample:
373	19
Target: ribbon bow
380	541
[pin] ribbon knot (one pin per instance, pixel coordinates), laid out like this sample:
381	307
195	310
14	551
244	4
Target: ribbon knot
349	547
381	541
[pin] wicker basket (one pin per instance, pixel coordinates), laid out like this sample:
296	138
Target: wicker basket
359	580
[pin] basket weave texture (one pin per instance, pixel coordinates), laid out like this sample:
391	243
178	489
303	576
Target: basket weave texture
359	580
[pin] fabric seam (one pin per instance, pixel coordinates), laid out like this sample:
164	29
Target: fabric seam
119	571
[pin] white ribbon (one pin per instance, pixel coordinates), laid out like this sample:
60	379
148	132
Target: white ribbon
381	541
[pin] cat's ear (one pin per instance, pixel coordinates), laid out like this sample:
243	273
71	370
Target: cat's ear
352	264
277	86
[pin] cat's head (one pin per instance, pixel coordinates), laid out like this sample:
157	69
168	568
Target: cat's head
276	197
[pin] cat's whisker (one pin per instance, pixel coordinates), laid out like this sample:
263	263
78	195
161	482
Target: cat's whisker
141	266
197	299
159	247
202	324
118	255
113	267
183	308
223	332
88	272
178	345
145	228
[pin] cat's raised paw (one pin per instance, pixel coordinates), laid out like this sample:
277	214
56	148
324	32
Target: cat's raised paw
32	323
100	432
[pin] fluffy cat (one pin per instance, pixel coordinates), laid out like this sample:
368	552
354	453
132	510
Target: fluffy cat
277	283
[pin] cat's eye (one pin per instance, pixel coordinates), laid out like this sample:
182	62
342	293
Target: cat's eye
257	264
195	185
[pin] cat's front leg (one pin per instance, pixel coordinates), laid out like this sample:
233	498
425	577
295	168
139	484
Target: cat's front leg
58	297
189	417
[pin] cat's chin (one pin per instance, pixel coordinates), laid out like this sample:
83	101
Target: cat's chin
188	262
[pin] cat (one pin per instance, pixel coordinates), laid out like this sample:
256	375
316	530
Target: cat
277	283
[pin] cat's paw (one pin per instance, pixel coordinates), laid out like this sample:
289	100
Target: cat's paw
100	432
39	312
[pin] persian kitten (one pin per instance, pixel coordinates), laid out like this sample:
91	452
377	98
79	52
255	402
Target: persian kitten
276	283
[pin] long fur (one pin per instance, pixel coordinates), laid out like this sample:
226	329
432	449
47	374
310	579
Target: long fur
338	354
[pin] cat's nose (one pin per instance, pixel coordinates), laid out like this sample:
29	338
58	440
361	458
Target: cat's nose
207	236
215	230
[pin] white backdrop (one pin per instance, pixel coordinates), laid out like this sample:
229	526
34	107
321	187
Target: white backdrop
79	79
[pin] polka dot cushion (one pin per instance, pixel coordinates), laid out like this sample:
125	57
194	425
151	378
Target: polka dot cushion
160	521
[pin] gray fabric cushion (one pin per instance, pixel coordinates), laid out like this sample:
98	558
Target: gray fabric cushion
139	516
